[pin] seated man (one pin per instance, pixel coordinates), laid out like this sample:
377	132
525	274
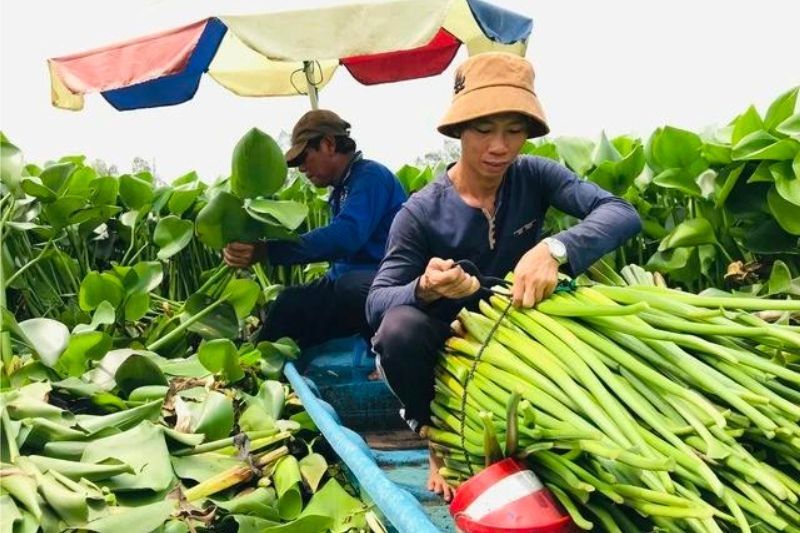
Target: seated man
365	198
488	208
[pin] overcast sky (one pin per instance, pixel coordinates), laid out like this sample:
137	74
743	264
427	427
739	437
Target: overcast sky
623	66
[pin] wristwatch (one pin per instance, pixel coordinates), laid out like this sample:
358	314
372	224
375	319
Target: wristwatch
557	250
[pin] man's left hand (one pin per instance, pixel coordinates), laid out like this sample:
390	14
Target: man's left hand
535	277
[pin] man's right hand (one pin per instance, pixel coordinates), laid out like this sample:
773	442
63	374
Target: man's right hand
244	254
444	279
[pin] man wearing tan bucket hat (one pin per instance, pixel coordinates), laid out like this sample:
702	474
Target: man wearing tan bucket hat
487	208
364	199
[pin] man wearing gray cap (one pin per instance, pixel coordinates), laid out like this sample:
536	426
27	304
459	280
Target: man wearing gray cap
365	197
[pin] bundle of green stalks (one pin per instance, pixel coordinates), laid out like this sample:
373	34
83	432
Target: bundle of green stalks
642	408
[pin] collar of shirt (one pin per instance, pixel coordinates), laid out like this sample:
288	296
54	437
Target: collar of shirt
336	196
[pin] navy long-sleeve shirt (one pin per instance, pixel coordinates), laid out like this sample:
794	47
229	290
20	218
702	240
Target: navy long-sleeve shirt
436	222
363	205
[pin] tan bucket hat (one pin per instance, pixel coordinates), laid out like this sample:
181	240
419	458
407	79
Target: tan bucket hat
491	83
316	123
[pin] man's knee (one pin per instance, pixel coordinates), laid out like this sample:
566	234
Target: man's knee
401	332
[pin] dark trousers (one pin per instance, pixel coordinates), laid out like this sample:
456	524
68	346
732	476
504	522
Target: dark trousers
322	310
408	343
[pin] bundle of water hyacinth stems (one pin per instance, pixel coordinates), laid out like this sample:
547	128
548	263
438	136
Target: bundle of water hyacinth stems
641	408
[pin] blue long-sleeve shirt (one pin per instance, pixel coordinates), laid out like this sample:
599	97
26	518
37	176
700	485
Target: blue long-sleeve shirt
363	205
436	222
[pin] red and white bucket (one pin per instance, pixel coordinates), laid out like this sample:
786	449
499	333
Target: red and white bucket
507	497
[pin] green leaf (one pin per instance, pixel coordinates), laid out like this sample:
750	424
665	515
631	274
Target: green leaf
59	213
48	337
334	502
82	348
172	235
605	151
731	177
23	489
78	469
790	126
785	212
270	396
259	502
104	190
716	154
242	294
97	288
313	467
55	177
258	167
67	504
287	479
203	466
223	219
220	356
761	145
745	124
138	371
617	176
148	277
220	323
577	153
781	109
33	186
144	449
11	162
253	524
787	179
103	316
139	519
277	212
680	179
136	306
780	279
406	176
213	417
769	238
670	148
135	192
255	418
692	232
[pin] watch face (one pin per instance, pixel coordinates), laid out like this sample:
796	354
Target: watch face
557	249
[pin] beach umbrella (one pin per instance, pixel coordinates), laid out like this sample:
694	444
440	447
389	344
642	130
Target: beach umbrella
287	53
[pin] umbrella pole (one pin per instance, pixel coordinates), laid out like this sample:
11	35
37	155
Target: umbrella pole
313	94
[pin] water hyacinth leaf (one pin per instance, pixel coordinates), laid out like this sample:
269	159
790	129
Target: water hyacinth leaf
576	152
716	154
272	360
406	176
221	357
334	502
242	294
785	212
271	396
259	502
187	368
136	306
780	279
55	176
148	277
605	151
787	180
221	322
22	488
258	167
670	147
94	214
761	145
103	191
103	374
542	149
138	371
617	176
790	126
213	417
287	479
120	420
706	182
184	194
186	439
677	178
76	470
43	232
313	467
252	524
782	108
98	287
284	213
144	449
172	234
78	181
11	162
34	187
60	211
223	219
48	337
135	192
203	466
287	347
70	506
304	524
745	124
256	418
139	519
82	348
